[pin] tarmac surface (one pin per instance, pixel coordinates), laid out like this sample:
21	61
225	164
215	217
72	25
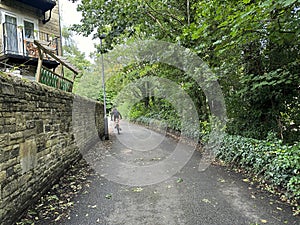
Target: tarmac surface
137	185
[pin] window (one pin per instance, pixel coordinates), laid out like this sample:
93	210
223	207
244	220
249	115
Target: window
18	33
10	34
28	29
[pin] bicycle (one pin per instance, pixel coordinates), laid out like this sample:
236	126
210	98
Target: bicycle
117	125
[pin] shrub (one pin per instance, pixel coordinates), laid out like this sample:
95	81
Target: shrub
270	160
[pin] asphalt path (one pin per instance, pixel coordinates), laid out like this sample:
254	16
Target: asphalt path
137	184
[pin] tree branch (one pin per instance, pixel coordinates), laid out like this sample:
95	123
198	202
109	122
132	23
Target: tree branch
157	12
188	11
155	19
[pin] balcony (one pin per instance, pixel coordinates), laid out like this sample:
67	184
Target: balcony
19	48
43	5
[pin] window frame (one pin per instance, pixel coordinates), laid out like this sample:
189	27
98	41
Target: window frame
33	30
21	36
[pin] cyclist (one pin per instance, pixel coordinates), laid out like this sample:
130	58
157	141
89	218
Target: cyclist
115	114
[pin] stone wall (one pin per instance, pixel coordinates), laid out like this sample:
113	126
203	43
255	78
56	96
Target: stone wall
42	131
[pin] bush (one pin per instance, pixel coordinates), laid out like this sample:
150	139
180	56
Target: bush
270	160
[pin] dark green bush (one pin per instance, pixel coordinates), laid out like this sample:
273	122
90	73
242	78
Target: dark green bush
269	160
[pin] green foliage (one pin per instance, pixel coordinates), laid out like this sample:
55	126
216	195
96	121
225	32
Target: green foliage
89	85
122	20
269	160
165	113
253	46
72	53
109	99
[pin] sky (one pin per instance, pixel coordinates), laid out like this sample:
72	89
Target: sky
70	16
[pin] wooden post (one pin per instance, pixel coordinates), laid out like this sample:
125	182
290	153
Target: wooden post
39	66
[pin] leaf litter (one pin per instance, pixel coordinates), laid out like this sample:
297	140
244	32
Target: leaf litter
56	204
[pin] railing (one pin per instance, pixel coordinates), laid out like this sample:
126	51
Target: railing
15	41
52	79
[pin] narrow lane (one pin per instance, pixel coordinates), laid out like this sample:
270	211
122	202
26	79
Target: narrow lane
187	197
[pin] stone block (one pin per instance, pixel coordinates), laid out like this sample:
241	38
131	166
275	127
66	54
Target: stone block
18	169
2	119
16	136
8	129
14	153
4	139
2	176
20	126
4	154
29	133
30	124
7	114
10	188
7	89
28	157
8	163
10	120
10	171
39	126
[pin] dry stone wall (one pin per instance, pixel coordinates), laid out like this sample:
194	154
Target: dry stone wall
39	139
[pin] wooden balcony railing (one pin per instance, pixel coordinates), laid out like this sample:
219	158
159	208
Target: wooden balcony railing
48	77
52	79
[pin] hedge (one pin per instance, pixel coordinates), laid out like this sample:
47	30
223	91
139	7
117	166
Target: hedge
270	161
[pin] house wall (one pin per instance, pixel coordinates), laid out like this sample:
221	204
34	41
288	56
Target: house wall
42	131
18	8
53	26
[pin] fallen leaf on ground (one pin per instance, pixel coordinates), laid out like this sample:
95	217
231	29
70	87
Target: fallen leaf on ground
108	196
179	180
246	180
206	200
138	189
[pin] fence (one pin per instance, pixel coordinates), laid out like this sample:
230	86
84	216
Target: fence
52	79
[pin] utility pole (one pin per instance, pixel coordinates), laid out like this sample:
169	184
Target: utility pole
106	136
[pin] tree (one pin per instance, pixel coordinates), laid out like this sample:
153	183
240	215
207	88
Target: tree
88	82
123	19
253	46
72	53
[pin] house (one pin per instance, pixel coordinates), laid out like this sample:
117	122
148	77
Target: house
24	23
